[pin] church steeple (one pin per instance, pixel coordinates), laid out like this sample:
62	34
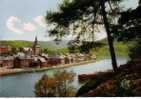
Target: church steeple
36	41
36	47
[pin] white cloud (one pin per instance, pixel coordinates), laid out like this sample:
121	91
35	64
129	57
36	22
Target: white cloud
11	24
25	27
40	20
29	27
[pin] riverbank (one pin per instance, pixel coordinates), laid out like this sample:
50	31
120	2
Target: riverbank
4	72
124	83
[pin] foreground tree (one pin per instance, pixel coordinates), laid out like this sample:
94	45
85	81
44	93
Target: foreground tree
129	30
110	39
129	23
60	85
85	15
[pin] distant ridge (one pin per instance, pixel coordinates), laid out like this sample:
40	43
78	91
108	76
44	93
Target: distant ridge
52	44
44	44
24	43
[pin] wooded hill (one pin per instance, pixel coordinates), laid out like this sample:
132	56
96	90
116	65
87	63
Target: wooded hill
44	44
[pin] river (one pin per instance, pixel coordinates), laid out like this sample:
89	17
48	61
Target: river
22	85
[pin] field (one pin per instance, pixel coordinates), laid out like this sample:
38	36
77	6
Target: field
121	50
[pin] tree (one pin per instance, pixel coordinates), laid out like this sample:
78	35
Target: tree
129	30
110	39
87	12
14	50
129	24
73	47
60	85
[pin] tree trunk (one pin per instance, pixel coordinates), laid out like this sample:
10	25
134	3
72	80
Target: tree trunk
110	38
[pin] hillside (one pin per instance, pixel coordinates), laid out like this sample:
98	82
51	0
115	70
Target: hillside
44	44
121	48
52	44
16	43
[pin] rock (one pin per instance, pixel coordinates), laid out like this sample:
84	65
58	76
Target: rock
84	77
90	94
137	91
107	88
137	83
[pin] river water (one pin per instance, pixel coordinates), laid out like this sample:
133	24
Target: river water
22	85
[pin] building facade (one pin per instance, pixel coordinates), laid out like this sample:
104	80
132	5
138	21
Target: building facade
5	50
22	62
6	62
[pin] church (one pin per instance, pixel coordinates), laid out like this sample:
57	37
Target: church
36	48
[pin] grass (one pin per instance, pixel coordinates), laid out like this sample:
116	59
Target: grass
17	43
57	50
121	49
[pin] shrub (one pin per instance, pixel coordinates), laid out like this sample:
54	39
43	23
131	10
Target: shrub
59	85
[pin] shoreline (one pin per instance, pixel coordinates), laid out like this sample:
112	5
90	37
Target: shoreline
33	70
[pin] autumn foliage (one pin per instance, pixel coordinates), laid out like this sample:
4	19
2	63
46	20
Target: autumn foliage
59	85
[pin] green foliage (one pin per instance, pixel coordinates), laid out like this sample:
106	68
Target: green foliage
17	43
73	48
43	44
135	49
59	85
86	16
101	48
128	28
81	14
54	51
121	50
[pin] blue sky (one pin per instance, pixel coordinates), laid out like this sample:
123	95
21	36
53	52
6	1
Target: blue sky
23	19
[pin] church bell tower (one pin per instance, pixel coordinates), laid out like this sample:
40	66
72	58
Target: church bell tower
36	47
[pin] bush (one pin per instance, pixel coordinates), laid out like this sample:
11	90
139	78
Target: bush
60	85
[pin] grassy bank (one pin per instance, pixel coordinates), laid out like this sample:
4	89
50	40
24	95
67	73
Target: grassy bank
121	50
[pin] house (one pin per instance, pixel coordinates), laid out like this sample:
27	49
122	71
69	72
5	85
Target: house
67	61
81	57
53	61
23	62
7	62
72	58
5	50
62	59
42	61
27	51
39	61
35	62
1	65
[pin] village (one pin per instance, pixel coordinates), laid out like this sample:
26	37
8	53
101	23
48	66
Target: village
33	57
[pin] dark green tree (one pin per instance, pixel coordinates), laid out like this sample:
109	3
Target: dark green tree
86	15
129	24
128	29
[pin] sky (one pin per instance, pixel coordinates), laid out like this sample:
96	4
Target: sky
24	19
